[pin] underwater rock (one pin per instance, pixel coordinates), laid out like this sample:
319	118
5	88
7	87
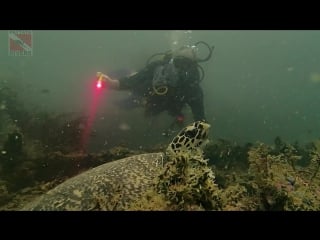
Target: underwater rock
14	143
4	193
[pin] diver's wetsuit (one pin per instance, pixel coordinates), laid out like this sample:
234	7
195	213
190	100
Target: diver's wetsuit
186	91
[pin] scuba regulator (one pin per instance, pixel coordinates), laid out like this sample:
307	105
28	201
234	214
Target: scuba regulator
164	76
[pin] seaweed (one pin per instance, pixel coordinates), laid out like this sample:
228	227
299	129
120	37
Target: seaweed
184	183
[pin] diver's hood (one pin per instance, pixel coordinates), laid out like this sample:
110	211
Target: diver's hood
186	52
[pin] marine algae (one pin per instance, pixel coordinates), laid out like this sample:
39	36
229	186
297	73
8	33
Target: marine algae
184	183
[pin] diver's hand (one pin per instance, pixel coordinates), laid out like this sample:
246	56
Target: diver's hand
113	83
105	77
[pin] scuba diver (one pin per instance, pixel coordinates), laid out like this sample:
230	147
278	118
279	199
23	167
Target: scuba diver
166	84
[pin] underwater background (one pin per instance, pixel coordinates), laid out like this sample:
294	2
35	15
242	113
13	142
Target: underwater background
258	85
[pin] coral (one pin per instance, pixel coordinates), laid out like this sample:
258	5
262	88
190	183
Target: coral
270	174
227	155
184	183
186	180
280	182
236	198
274	181
314	163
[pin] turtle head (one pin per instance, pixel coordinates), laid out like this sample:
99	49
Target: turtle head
191	138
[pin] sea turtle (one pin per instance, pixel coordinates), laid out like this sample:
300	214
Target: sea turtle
113	185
